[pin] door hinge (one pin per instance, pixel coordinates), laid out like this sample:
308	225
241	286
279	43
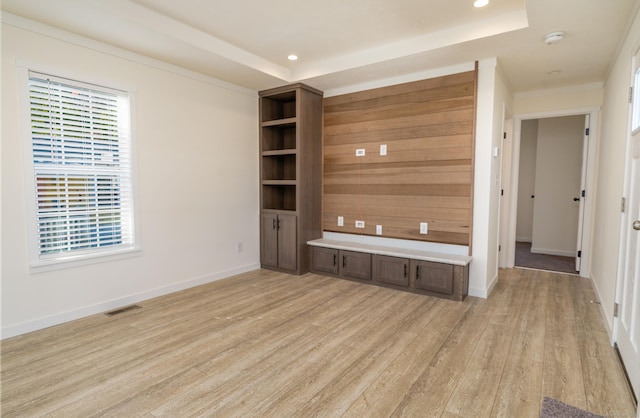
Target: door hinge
586	132
584	193
501	192
630	94
616	308
623	205
504	135
499	248
579	253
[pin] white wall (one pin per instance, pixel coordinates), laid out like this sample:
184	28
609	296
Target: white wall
615	125
197	176
553	100
494	99
557	182
526	179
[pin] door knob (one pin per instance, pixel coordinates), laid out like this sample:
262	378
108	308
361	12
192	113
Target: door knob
636	225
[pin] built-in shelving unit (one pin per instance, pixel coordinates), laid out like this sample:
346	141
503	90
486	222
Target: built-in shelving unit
290	175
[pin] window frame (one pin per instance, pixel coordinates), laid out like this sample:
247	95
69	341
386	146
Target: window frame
74	258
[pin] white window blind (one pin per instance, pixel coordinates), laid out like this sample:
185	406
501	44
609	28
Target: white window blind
82	168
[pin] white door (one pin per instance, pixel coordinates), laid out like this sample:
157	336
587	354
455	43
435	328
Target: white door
627	323
582	192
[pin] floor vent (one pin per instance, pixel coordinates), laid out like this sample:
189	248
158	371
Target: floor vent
123	310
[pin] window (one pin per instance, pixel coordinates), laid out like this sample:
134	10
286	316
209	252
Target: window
635	120
81	154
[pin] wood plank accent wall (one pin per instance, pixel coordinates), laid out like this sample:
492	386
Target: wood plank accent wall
427	174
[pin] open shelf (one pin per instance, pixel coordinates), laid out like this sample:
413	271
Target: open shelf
280	197
279	137
279	167
278	106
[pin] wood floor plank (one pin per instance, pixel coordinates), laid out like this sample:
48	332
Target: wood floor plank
385	393
429	394
562	376
604	382
477	385
520	385
269	344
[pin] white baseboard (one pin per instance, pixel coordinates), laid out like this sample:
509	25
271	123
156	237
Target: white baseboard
553	252
483	293
60	318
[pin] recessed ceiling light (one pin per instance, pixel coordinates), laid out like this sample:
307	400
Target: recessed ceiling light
480	3
292	57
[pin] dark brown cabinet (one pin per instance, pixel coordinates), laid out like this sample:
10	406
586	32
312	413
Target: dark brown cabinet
391	270
435	277
355	265
324	260
290	175
347	264
441	279
278	243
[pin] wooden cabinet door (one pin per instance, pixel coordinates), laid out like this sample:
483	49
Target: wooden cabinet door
287	242
355	265
269	240
392	270
324	260
435	277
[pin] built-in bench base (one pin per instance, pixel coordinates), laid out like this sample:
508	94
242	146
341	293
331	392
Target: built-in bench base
435	274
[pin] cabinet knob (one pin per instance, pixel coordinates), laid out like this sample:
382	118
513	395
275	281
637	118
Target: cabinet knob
334	259
405	270
417	272
274	223
344	261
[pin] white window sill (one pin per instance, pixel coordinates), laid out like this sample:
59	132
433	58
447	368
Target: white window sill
45	265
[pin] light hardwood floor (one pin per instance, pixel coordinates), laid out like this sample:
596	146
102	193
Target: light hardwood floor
270	344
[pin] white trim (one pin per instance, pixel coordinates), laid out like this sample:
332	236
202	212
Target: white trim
48	321
548	251
62	35
41	266
484	293
524	239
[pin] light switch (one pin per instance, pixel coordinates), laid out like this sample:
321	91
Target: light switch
383	149
424	228
340	221
379	229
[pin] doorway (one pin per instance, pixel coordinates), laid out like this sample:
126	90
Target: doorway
573	243
550	180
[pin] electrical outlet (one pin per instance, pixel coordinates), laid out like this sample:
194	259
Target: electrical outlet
359	224
383	149
379	229
360	152
424	228
340	220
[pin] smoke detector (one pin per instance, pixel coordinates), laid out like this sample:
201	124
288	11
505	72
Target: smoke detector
553	37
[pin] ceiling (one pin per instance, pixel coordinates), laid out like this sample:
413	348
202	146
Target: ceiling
347	42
